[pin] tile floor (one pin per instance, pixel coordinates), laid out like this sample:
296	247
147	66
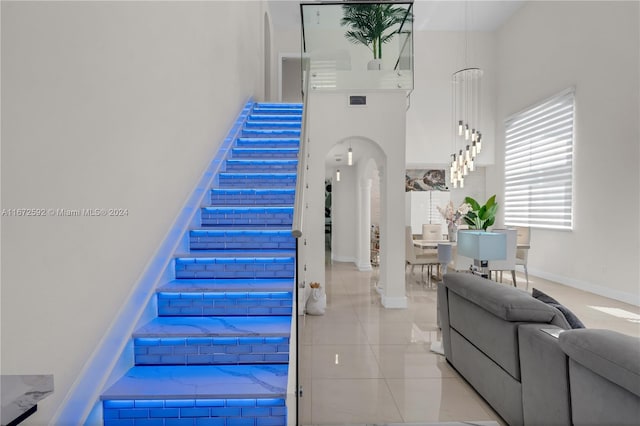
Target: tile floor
361	363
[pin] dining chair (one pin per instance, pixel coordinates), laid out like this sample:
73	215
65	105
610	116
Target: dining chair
431	232
508	264
522	254
413	259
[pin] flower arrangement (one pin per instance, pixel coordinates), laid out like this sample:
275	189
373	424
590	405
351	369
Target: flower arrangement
452	215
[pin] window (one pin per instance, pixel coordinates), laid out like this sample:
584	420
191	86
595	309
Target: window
538	168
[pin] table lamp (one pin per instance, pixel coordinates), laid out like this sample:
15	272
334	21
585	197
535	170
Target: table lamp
482	247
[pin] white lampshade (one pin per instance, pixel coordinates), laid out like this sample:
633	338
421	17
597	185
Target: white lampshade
482	245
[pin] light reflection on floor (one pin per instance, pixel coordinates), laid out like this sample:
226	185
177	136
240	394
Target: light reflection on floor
619	313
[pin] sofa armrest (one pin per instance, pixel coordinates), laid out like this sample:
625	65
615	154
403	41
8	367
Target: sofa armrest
612	355
544	377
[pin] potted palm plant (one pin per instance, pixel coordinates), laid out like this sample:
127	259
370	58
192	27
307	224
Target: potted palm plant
372	25
481	217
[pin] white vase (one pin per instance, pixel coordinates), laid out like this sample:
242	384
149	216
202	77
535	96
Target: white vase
453	232
375	65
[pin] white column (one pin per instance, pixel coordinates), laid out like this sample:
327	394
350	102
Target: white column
364	225
392	255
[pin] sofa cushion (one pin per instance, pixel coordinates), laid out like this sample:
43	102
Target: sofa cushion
508	303
612	355
571	318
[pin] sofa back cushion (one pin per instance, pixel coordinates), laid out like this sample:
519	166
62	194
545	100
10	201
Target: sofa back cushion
508	303
612	355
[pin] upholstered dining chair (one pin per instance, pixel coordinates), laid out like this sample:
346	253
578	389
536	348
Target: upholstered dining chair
430	232
508	264
522	254
413	259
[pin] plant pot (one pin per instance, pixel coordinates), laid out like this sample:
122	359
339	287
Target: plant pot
374	65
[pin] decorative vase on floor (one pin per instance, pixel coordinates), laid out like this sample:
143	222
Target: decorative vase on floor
453	232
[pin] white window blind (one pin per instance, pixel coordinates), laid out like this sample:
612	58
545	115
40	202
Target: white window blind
539	164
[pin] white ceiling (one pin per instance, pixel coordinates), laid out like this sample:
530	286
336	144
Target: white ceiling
430	15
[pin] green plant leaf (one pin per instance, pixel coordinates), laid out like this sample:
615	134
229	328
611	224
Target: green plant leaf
481	217
474	204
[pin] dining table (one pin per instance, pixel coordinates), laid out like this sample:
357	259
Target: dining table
433	244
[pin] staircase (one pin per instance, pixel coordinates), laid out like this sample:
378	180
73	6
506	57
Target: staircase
218	351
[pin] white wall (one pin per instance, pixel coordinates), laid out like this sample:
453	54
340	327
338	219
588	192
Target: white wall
104	105
344	204
438	54
284	42
594	46
331	121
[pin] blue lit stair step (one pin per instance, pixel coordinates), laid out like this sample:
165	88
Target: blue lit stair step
245	239
198	412
237	254
246	216
225	297
230	303
262	165
271	285
264	124
200	383
250	196
264	153
195	266
256	180
271	133
287	105
258	142
166	327
276	109
275	117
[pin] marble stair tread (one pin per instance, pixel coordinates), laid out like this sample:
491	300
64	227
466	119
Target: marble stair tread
267	208
253	123
257	175
227	285
253	161
288	140
283	150
240	229
257	254
249	189
276	117
226	252
250	326
201	382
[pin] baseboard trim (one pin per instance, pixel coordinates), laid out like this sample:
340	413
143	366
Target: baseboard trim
622	296
365	267
394	302
346	259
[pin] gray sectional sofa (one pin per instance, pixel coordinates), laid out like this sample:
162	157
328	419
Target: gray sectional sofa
497	337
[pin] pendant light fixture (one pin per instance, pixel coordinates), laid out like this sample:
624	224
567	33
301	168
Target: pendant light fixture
338	175
465	111
350	157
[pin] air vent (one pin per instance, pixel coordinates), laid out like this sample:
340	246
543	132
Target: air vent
357	100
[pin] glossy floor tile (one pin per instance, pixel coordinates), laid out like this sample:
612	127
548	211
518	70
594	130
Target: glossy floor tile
348	401
364	364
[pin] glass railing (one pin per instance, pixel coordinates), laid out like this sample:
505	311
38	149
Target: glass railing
358	45
297	363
